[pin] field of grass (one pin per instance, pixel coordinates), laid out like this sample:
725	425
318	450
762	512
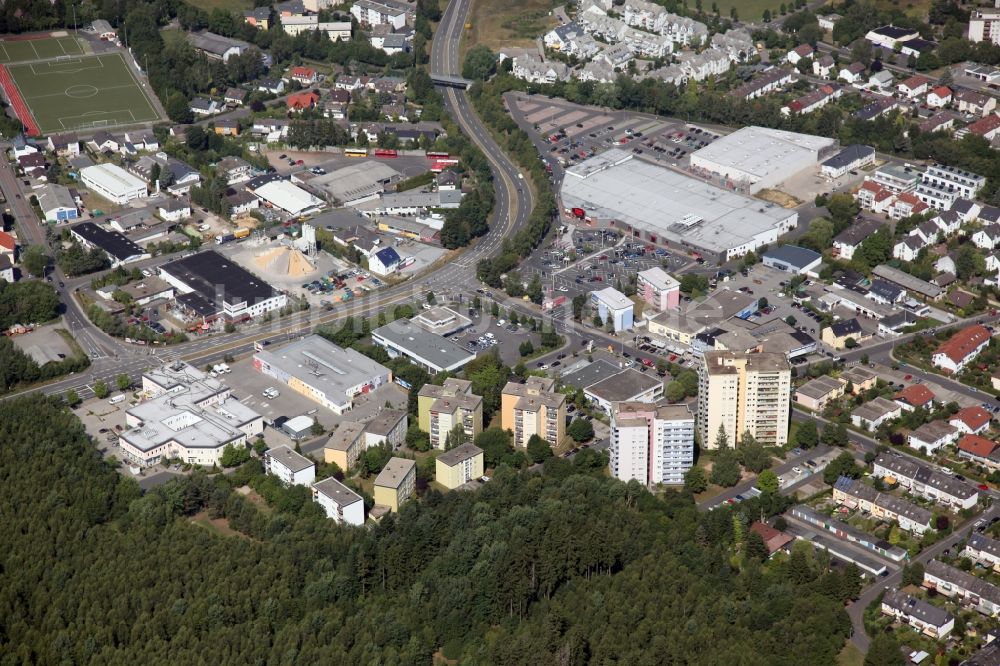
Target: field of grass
850	656
83	92
38	49
748	10
512	23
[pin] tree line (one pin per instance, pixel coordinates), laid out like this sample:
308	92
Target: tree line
564	566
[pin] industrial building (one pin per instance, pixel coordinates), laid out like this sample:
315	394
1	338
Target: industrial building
289	198
323	372
357	183
755	158
428	350
119	249
792	259
651	443
739	393
211	286
56	202
656	203
188	415
113	183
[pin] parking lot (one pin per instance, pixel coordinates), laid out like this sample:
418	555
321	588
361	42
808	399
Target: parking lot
293	161
487	333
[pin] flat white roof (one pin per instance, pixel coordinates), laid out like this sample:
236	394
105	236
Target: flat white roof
288	197
664	202
659	278
112	178
613	298
762	152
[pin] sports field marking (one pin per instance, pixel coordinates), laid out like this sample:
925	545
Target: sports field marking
6	56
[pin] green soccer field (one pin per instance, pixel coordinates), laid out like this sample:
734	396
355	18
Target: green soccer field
38	49
82	93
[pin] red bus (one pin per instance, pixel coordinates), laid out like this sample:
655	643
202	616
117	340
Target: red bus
385	152
435	156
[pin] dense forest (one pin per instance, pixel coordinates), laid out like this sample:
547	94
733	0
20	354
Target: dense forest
566	566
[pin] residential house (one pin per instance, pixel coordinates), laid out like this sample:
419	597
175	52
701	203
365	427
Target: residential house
814	100
775	540
345	445
8	245
874	197
201	106
847	242
837	334
877	108
961	348
913	87
939	97
885	292
974	102
943	121
384	261
531	69
987	127
914	396
64	145
227	127
971	420
235	96
305	76
6	268
173	210
874	413
932	436
56	203
979	450
241	203
925	481
234	170
823	67
881	80
851	73
272	86
987	237
259	17
925	617
103	141
953	582
983	550
855	493
905	205
817	393
799	53
387	427
302	101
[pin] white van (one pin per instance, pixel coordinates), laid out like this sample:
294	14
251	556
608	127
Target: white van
117	399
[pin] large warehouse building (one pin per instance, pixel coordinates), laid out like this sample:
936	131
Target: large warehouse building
657	203
755	158
113	183
210	285
323	372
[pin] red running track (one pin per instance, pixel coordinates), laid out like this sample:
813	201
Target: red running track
20	108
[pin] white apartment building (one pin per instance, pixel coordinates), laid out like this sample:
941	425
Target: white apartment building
984	25
378	12
292	468
651	443
741	392
339	502
941	185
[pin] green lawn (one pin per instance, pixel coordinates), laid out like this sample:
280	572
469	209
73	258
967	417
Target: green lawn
84	92
38	49
748	10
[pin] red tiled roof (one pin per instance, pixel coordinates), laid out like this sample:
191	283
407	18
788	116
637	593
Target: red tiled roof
963	343
773	539
303	72
302	100
916	395
803	50
942	91
976	445
914	82
985	125
7	241
973	417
